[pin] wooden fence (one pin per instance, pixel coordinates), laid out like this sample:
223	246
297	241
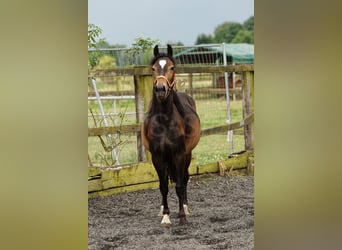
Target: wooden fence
108	181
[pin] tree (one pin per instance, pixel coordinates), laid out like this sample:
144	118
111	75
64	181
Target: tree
174	43
244	36
230	32
225	32
249	24
141	50
204	39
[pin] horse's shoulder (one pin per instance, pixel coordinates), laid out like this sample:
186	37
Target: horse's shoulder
186	101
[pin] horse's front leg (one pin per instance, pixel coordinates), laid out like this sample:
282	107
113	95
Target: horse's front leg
164	190
164	209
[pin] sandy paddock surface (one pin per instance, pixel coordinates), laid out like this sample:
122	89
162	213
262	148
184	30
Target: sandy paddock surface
222	217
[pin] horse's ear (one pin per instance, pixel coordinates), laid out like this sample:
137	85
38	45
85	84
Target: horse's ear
156	50
169	50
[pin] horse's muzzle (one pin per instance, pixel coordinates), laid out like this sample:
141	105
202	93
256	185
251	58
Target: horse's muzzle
160	90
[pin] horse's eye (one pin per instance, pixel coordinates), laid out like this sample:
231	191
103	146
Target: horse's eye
153	69
172	68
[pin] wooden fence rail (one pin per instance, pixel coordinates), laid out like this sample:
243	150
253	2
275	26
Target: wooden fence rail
132	129
181	69
142	175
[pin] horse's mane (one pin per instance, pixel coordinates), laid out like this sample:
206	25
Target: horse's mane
179	106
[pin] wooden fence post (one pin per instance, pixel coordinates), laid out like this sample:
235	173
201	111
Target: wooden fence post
191	90
143	94
248	107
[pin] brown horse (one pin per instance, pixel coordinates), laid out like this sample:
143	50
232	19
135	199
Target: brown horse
170	131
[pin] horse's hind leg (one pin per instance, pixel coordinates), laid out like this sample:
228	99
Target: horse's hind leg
186	179
185	205
180	194
181	183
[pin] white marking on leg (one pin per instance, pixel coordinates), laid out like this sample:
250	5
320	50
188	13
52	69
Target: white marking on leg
162	63
161	210
186	209
166	220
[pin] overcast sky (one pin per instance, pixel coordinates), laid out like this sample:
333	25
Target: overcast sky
167	20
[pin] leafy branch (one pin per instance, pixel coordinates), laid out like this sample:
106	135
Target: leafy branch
93	40
140	47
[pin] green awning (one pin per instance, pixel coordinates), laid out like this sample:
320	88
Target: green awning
237	53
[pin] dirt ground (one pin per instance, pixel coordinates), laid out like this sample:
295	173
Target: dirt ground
222	217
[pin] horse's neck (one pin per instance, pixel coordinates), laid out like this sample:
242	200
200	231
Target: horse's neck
165	107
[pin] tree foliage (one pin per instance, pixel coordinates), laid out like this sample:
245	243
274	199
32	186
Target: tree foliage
204	39
141	49
93	39
179	43
105	62
225	32
249	24
243	36
93	33
230	32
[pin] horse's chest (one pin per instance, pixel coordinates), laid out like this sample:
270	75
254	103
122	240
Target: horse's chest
166	134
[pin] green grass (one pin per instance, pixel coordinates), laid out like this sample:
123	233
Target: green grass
115	83
210	148
215	147
124	108
211	110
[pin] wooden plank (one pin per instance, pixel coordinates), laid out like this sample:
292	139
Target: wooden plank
133	128
181	69
137	173
94	171
94	185
225	128
208	168
193	168
132	188
143	176
238	162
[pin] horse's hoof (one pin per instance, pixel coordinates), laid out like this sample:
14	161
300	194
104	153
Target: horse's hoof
186	209
166	220
183	221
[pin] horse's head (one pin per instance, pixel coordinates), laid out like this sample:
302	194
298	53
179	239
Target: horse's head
163	66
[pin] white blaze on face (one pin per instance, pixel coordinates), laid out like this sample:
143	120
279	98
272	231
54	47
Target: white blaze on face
162	63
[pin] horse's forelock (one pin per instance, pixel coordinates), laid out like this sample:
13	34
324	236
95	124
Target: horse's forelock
153	61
